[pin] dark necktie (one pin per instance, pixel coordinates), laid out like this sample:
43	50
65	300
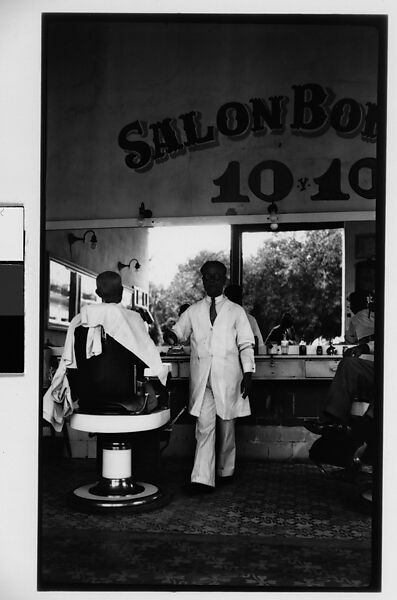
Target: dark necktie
212	311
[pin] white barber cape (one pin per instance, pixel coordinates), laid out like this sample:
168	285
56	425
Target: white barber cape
220	352
125	326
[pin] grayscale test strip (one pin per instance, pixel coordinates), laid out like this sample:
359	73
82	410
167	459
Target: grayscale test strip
12	304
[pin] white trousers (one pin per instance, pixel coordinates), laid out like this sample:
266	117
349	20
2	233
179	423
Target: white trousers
204	459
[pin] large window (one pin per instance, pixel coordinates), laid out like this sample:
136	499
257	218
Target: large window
299	272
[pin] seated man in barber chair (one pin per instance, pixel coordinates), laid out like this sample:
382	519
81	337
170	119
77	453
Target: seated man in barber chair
353	381
348	438
101	379
106	350
354	377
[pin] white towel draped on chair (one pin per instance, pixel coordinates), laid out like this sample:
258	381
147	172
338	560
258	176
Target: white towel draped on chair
123	325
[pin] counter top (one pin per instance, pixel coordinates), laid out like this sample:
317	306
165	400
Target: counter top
185	357
272	366
311	354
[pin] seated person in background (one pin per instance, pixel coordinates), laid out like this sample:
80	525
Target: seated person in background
285	328
354	378
97	327
362	323
235	294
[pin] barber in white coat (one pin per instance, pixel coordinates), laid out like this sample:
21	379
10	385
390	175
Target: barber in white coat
221	367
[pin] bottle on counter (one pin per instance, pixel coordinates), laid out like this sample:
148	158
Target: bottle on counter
284	344
302	348
319	350
331	350
256	345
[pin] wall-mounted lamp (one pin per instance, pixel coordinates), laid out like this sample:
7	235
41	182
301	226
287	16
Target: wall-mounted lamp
273	211
121	265
93	241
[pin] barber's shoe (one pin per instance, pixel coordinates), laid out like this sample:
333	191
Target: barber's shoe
196	489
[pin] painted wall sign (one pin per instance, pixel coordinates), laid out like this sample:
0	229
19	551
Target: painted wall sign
213	119
329	186
313	111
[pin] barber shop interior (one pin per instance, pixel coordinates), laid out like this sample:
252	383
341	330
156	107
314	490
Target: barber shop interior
213	195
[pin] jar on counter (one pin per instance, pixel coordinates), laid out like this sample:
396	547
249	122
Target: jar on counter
284	346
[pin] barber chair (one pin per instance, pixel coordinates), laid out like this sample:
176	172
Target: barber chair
107	388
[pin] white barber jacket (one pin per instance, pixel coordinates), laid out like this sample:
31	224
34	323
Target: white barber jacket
220	352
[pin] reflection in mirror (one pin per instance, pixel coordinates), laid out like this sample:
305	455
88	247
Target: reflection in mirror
59	296
87	290
126	299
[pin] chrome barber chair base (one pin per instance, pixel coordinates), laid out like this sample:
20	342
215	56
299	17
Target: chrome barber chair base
150	498
116	488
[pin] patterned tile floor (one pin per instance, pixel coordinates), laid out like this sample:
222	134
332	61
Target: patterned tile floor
279	526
